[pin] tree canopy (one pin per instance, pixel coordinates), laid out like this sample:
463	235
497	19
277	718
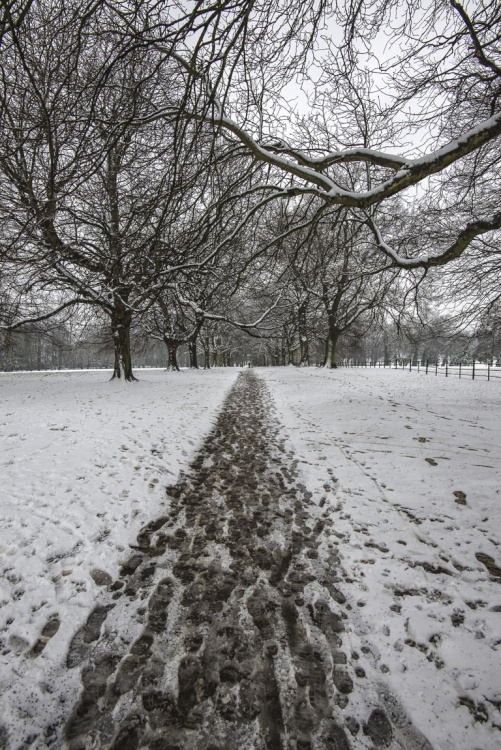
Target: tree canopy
159	155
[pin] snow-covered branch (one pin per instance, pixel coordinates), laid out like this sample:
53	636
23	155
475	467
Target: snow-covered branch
314	170
43	316
206	315
452	252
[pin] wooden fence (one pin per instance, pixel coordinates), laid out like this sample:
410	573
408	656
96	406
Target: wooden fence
473	370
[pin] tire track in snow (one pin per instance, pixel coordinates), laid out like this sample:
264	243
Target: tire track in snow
226	628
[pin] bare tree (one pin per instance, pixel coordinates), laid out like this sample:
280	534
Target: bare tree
98	208
441	84
133	133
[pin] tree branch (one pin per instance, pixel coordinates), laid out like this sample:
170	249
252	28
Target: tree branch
455	250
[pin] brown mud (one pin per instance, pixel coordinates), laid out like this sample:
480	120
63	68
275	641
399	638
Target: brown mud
226	629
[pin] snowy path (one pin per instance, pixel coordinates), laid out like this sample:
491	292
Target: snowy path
226	626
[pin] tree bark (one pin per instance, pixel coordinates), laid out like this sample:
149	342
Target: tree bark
387	352
120	326
304	360
39	351
121	317
192	349
172	347
330	348
207	357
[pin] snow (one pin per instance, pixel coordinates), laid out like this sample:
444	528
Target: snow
85	463
487	128
426	614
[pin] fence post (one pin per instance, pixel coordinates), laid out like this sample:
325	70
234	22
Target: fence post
473	371
418	365
460	369
410	364
436	367
426	373
488	371
446	368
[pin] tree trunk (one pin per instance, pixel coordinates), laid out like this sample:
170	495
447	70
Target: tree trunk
120	326
207	356
330	348
172	347
39	351
387	353
121	317
304	360
192	349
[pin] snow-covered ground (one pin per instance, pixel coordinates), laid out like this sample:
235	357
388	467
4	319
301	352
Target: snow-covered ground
84	464
389	450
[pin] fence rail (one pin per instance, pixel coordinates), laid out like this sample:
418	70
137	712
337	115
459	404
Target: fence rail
472	371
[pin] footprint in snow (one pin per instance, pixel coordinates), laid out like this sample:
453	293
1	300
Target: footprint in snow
49	630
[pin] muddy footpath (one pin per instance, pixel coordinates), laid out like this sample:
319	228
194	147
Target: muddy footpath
227	626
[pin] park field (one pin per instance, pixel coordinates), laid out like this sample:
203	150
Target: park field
404	468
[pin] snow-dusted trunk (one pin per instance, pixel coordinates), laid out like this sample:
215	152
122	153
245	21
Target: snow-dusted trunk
172	347
120	328
303	337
